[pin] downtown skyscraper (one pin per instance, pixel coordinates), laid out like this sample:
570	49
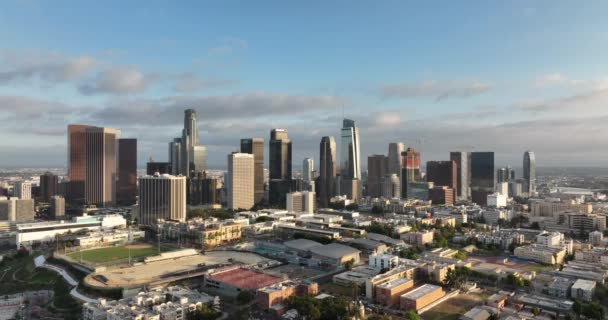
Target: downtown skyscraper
279	159
377	169
463	172
76	162
529	173
410	170
395	149
185	154
327	170
255	146
482	176
350	160
101	166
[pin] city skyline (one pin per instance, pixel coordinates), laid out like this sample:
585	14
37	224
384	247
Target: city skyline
502	94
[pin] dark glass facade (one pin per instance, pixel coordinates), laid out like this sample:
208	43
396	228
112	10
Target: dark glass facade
255	146
160	167
482	176
126	187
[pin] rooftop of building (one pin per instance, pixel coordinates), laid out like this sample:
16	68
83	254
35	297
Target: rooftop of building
244	278
394	283
334	250
301	244
477	313
584	285
420	292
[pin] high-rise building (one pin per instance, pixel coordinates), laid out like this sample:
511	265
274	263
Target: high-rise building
175	156
202	190
529	173
280	166
301	202
101	166
162	197
463	172
349	156
49	186
188	142
126	186
442	195
57	208
160	167
482	176
503	175
308	167
255	146
199	160
391	186
410	170
443	174
395	161
327	170
22	190
240	181
377	168
76	161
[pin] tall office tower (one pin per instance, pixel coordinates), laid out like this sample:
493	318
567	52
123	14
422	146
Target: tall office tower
410	169
482	176
502	175
463	172
255	146
240	181
22	190
377	168
441	195
188	141
510	173
280	166
391	186
101	166
202	190
76	161
199	160
327	170
49	186
443	174
529	173
308	167
126	186
175	156
301	202
395	149
16	210
57	208
349	155
162	197
160	167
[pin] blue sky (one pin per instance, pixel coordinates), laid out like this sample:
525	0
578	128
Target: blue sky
502	76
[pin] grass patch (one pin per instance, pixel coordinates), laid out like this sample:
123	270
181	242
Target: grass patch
115	254
538	268
453	308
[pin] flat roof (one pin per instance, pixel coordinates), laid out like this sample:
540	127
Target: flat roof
393	283
583	284
420	292
244	278
301	244
334	250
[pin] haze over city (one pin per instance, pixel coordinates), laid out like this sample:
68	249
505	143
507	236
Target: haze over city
505	77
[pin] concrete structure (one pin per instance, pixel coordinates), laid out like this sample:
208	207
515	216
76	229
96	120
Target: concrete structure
49	186
17	210
420	297
389	293
595	255
383	261
541	254
463	172
410	171
162	197
335	254
276	295
583	290
394	157
596	238
255	146
77	161
391	186
496	200
279	164
301	202
57	210
126	186
442	195
38	232
443	174
377	169
308	168
548	208
240	181
502	188
327	170
476	313
405	270
22	190
232	280
418	238
493	216
101	150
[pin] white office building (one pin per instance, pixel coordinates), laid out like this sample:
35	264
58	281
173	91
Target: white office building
240	181
301	201
162	196
497	200
23	190
383	261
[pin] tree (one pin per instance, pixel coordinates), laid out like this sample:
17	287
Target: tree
352	207
460	255
411	315
263	219
377	209
349	264
203	312
535	311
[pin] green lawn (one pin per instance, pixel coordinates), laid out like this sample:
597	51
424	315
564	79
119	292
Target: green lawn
112	254
538	268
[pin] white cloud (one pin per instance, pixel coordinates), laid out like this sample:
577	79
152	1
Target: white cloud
438	90
117	80
50	67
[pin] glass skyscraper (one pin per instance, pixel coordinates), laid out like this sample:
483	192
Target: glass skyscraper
482	176
529	172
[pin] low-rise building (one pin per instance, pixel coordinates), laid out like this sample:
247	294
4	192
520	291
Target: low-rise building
421	297
389	293
383	261
583	290
559	287
277	294
542	254
418	238
335	254
108	238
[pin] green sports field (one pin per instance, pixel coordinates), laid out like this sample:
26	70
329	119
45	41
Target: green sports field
115	254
